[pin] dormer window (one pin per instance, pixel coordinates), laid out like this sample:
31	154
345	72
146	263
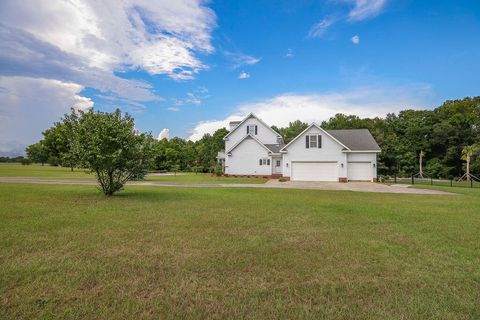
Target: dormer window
252	129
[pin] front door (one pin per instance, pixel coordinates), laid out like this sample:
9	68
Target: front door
277	165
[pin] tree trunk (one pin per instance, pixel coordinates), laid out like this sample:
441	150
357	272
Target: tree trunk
421	166
468	168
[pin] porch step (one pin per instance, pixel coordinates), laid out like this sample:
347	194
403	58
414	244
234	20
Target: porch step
276	175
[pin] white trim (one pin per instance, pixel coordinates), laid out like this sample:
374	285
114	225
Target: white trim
362	151
248	117
247	136
324	131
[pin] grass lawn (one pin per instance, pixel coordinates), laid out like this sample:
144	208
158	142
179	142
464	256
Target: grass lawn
153	252
38	171
42	172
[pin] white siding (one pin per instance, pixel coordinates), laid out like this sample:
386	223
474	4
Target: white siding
331	151
364	157
245	159
264	133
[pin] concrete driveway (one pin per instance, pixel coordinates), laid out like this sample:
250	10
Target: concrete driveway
351	186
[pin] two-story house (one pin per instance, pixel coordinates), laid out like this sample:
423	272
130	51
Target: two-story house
252	148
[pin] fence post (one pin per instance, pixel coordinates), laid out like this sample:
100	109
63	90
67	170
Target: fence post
431	181
395	178
413	180
451	182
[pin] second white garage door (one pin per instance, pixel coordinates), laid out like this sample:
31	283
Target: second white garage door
314	171
360	171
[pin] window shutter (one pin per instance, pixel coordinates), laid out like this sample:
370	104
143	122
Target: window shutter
256	129
307	142
260	161
247	129
319	141
268	161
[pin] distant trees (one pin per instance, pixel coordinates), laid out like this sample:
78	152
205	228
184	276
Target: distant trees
293	129
38	152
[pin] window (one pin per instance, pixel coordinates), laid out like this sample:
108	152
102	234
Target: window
277	163
252	129
313	141
264	162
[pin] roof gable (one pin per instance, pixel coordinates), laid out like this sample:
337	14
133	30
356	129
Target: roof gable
246	137
308	128
251	115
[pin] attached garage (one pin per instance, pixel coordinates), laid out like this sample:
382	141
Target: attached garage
360	171
314	171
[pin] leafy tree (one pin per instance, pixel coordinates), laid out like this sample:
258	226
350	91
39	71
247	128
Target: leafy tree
108	145
37	152
58	141
294	129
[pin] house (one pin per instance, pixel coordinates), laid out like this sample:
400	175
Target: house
253	148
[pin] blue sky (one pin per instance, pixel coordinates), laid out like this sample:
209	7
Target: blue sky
191	66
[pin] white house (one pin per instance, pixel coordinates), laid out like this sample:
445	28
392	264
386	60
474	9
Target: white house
252	148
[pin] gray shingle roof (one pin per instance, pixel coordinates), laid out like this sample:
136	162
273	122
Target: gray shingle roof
275	148
355	139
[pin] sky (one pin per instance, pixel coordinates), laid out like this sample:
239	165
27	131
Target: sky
187	67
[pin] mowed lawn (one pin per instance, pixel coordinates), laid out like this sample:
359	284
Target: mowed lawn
155	252
46	172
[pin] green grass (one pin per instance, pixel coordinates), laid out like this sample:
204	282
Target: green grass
42	172
38	171
153	252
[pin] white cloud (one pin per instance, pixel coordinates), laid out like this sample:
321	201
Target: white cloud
69	45
364	9
319	29
173	109
355	39
244	75
164	134
160	37
240	59
31	105
289	53
364	102
359	10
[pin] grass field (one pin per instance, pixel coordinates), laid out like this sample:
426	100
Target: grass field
152	252
38	171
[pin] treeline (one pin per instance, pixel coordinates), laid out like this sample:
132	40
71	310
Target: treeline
19	159
441	135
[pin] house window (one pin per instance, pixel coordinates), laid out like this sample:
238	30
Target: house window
313	141
264	162
252	129
277	163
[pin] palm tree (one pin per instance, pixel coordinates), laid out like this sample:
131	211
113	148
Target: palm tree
467	154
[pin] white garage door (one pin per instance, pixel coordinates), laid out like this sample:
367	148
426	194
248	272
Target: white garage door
360	171
314	171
